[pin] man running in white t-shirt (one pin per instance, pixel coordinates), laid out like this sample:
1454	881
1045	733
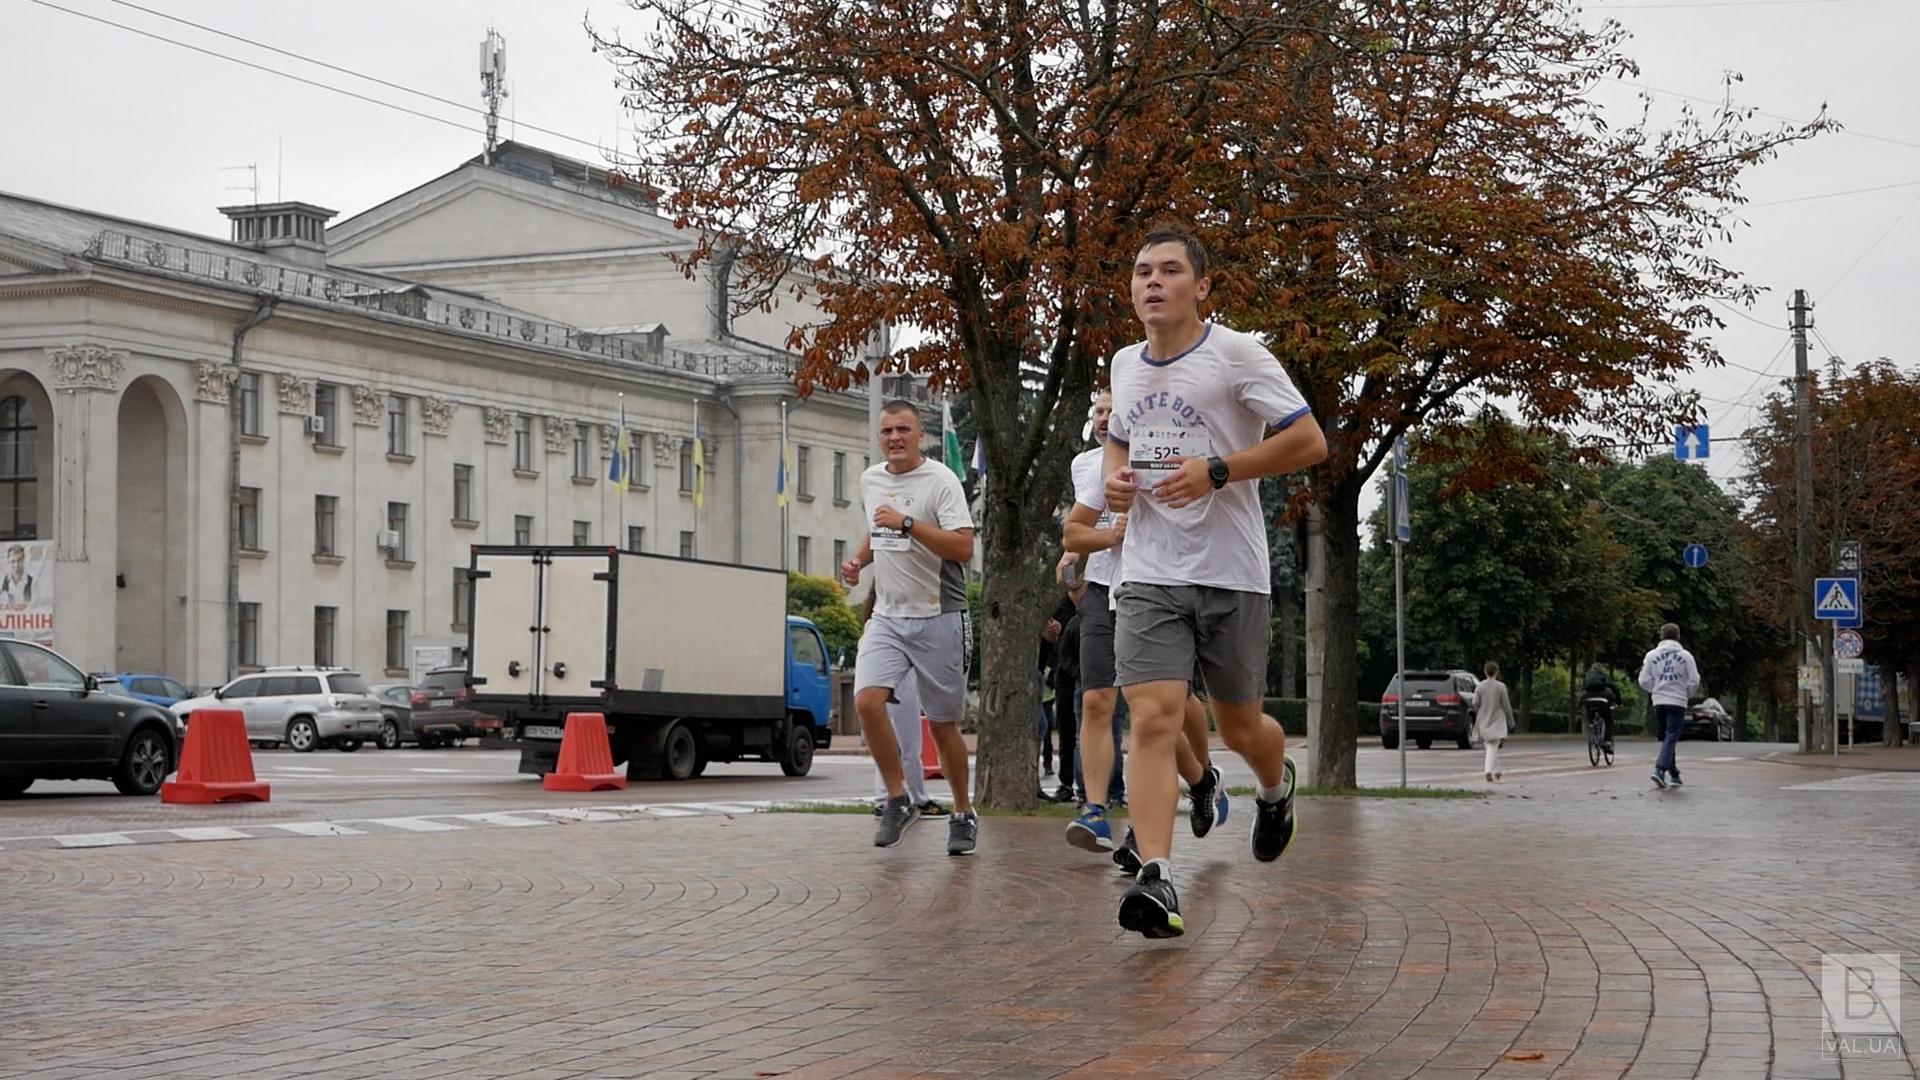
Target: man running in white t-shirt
919	538
1201	413
1092	531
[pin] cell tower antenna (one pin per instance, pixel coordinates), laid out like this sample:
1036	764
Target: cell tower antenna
493	86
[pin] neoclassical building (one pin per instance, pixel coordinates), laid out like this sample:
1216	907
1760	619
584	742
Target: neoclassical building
445	369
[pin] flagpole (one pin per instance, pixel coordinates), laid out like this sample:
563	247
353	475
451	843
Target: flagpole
619	492
785	503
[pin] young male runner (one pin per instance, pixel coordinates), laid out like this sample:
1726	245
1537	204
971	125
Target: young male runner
919	540
1201	412
1097	534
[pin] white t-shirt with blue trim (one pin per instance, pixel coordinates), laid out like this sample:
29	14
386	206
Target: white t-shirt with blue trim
1225	394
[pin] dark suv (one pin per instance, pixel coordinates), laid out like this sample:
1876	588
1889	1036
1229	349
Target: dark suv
441	701
1439	705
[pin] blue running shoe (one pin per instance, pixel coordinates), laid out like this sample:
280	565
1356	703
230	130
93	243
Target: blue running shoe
1090	831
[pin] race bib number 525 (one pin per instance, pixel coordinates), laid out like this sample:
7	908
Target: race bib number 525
1159	449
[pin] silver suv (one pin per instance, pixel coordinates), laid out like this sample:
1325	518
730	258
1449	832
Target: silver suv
303	707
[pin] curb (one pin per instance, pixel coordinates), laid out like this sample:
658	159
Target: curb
1826	761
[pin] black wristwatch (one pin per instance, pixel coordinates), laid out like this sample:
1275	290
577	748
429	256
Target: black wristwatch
906	526
1217	472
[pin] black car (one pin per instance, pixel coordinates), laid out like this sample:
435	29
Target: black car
405	719
442	700
1708	720
57	724
1439	705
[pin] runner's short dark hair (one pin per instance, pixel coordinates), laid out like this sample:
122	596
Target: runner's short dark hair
1167	232
901	405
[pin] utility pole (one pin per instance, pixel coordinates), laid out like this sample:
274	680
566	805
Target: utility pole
1803	512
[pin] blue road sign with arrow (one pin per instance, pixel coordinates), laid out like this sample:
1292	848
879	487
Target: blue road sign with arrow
1690	442
1836	598
1695	555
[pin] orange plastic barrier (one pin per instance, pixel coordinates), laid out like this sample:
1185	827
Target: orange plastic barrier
586	761
216	764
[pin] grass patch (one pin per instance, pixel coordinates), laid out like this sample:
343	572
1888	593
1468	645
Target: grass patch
1372	793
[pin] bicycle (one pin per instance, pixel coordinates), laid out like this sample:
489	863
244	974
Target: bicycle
1598	745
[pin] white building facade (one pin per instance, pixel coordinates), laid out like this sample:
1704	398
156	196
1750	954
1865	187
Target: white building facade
446	370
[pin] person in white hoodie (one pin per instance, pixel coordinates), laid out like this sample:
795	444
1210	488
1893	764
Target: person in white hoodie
1670	675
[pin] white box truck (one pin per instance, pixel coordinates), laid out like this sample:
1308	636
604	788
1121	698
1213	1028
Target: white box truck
690	661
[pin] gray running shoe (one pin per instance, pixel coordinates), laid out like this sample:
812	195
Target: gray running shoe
963	833
898	817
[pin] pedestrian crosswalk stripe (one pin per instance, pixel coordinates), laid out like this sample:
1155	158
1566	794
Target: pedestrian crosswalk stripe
502	817
317	828
415	824
108	839
209	832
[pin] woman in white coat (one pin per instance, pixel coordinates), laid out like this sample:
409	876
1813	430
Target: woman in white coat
1493	717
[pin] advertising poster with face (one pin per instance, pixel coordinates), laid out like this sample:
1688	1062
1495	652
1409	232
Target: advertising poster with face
26	591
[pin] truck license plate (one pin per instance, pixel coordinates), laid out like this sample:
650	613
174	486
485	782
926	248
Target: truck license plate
540	731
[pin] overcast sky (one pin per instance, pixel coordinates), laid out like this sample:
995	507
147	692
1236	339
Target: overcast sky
104	119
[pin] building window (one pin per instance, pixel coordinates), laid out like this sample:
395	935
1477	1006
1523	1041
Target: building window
249	510
582	453
463	493
397	425
247	651
686	544
636	538
462	597
803	470
803	554
839	478
19	470
686	466
839	556
326	406
325	513
396	641
397	525
582	534
523	529
324	619
249	387
636	459
523	442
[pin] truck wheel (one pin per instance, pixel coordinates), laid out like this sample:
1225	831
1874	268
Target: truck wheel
680	753
700	757
799	756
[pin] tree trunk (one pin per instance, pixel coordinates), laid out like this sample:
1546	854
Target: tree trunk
1523	716
1892	731
1015	598
1740	714
1287	616
1336	561
1771	706
1573	693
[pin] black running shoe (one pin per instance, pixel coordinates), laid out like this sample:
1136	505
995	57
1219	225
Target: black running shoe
1150	907
1273	822
963	833
934	808
1127	855
1209	803
899	816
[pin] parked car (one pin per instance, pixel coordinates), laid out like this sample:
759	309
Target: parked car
1439	705
152	689
403	719
57	724
303	707
447	701
1708	720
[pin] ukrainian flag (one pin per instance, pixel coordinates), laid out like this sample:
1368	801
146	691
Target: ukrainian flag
782	469
622	451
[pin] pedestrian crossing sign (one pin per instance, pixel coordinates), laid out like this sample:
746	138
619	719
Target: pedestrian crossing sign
1836	598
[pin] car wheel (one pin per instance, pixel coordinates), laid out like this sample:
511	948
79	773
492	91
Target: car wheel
799	757
302	735
1464	742
15	787
680	752
1424	742
347	746
1390	740
389	735
143	764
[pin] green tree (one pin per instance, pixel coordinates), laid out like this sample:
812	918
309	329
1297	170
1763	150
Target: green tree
825	602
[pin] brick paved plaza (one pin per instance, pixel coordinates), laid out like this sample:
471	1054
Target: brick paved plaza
1576	924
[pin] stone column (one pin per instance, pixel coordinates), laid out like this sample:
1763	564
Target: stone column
85	381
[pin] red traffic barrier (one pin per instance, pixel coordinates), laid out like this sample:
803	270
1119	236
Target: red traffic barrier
929	751
586	761
216	764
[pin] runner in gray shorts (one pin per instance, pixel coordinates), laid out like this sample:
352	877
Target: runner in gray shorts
933	650
1180	631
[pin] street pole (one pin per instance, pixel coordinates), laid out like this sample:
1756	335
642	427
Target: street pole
785	509
1400	537
1803	513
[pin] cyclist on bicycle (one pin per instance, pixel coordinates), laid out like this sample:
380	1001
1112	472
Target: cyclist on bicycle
1601	697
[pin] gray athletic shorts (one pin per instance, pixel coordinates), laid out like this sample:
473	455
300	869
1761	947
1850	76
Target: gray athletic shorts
933	650
1163	632
1096	640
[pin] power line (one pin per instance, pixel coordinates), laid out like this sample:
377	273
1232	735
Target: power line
1888	231
300	78
1836	194
1743	400
1856	133
1712	4
1736	311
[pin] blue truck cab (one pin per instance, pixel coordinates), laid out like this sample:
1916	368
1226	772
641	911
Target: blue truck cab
809	688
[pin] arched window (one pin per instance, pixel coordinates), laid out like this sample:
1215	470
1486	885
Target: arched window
19	470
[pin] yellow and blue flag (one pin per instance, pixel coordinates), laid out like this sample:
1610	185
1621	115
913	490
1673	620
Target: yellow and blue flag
617	469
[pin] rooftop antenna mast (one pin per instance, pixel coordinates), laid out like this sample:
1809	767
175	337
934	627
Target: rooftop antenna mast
493	86
252	185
